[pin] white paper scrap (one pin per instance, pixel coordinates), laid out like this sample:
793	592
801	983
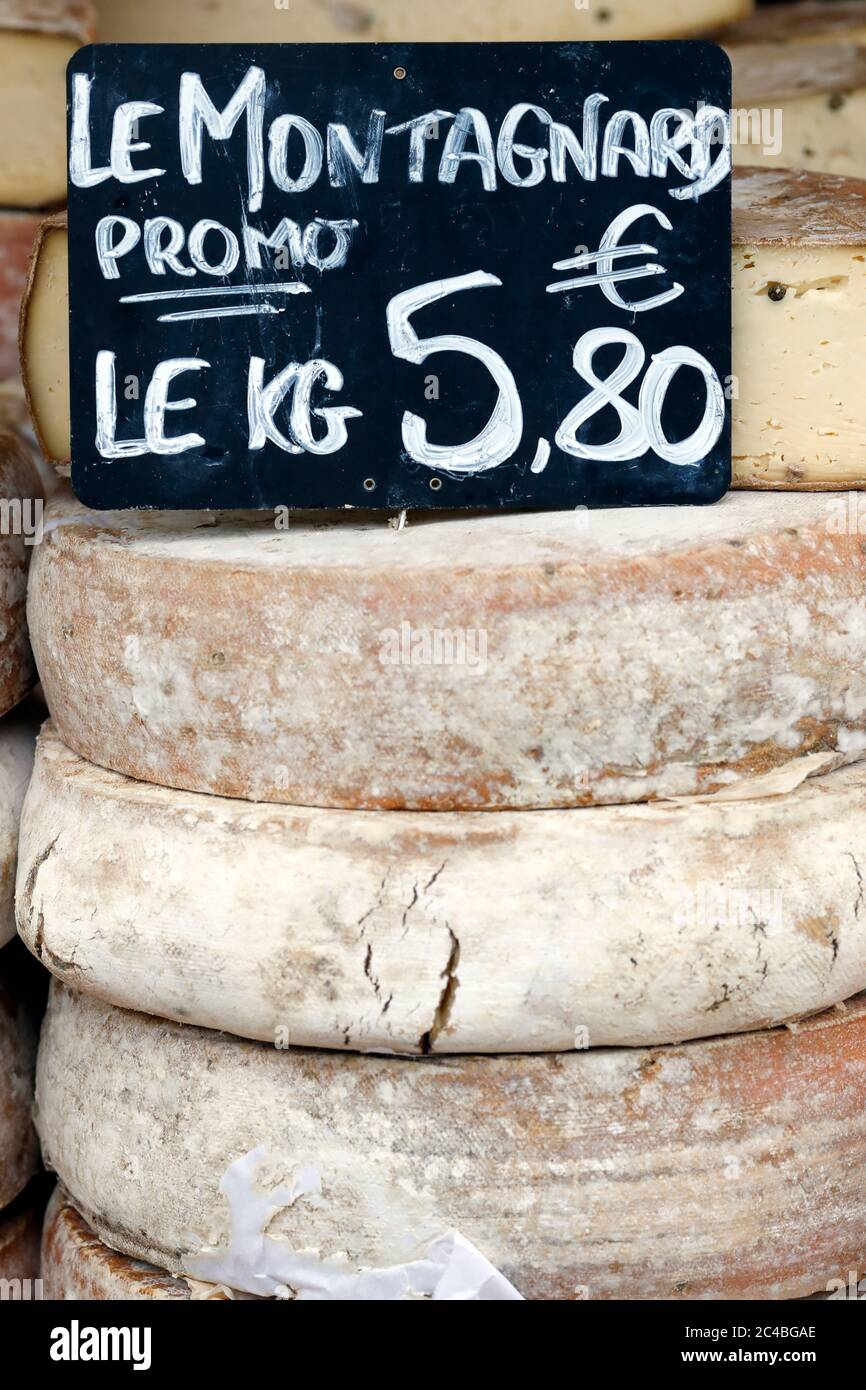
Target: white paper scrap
265	1265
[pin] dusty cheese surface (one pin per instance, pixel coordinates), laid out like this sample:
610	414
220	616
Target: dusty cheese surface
420	933
628	655
77	1265
722	1169
405	21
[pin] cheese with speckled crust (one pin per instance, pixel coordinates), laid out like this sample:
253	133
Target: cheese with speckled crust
723	1169
19	1154
424	933
77	1265
816	96
17	235
19	486
17	740
37	39
607	657
799	304
406	21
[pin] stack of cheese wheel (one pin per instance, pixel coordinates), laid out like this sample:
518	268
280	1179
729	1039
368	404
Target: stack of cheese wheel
474	909
20	499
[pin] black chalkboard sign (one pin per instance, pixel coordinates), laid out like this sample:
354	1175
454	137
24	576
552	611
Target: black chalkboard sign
399	275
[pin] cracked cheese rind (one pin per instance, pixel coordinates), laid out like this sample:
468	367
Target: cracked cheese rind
37	39
420	933
627	655
723	1169
799	306
406	21
19	1151
816	94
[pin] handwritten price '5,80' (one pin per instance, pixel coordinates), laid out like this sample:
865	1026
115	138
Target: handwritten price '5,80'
640	427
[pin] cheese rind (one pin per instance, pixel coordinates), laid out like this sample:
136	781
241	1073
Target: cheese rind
19	1151
17	743
405	21
77	1265
813	100
422	932
610	657
805	21
20	491
17	236
722	1169
19	1246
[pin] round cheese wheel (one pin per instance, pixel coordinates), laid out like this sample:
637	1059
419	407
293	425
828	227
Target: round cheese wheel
445	933
495	661
77	1265
21	499
803	21
19	1247
405	21
723	1169
17	742
19	1152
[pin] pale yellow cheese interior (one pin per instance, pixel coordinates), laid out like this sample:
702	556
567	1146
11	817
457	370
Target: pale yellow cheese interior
406	21
822	131
33	118
46	346
800	419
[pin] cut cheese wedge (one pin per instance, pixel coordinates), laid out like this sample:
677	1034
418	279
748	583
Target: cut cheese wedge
799	303
805	21
20	523
17	743
37	39
722	1169
20	1229
421	933
602	657
800	107
17	236
19	1009
77	1265
405	21
44	338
